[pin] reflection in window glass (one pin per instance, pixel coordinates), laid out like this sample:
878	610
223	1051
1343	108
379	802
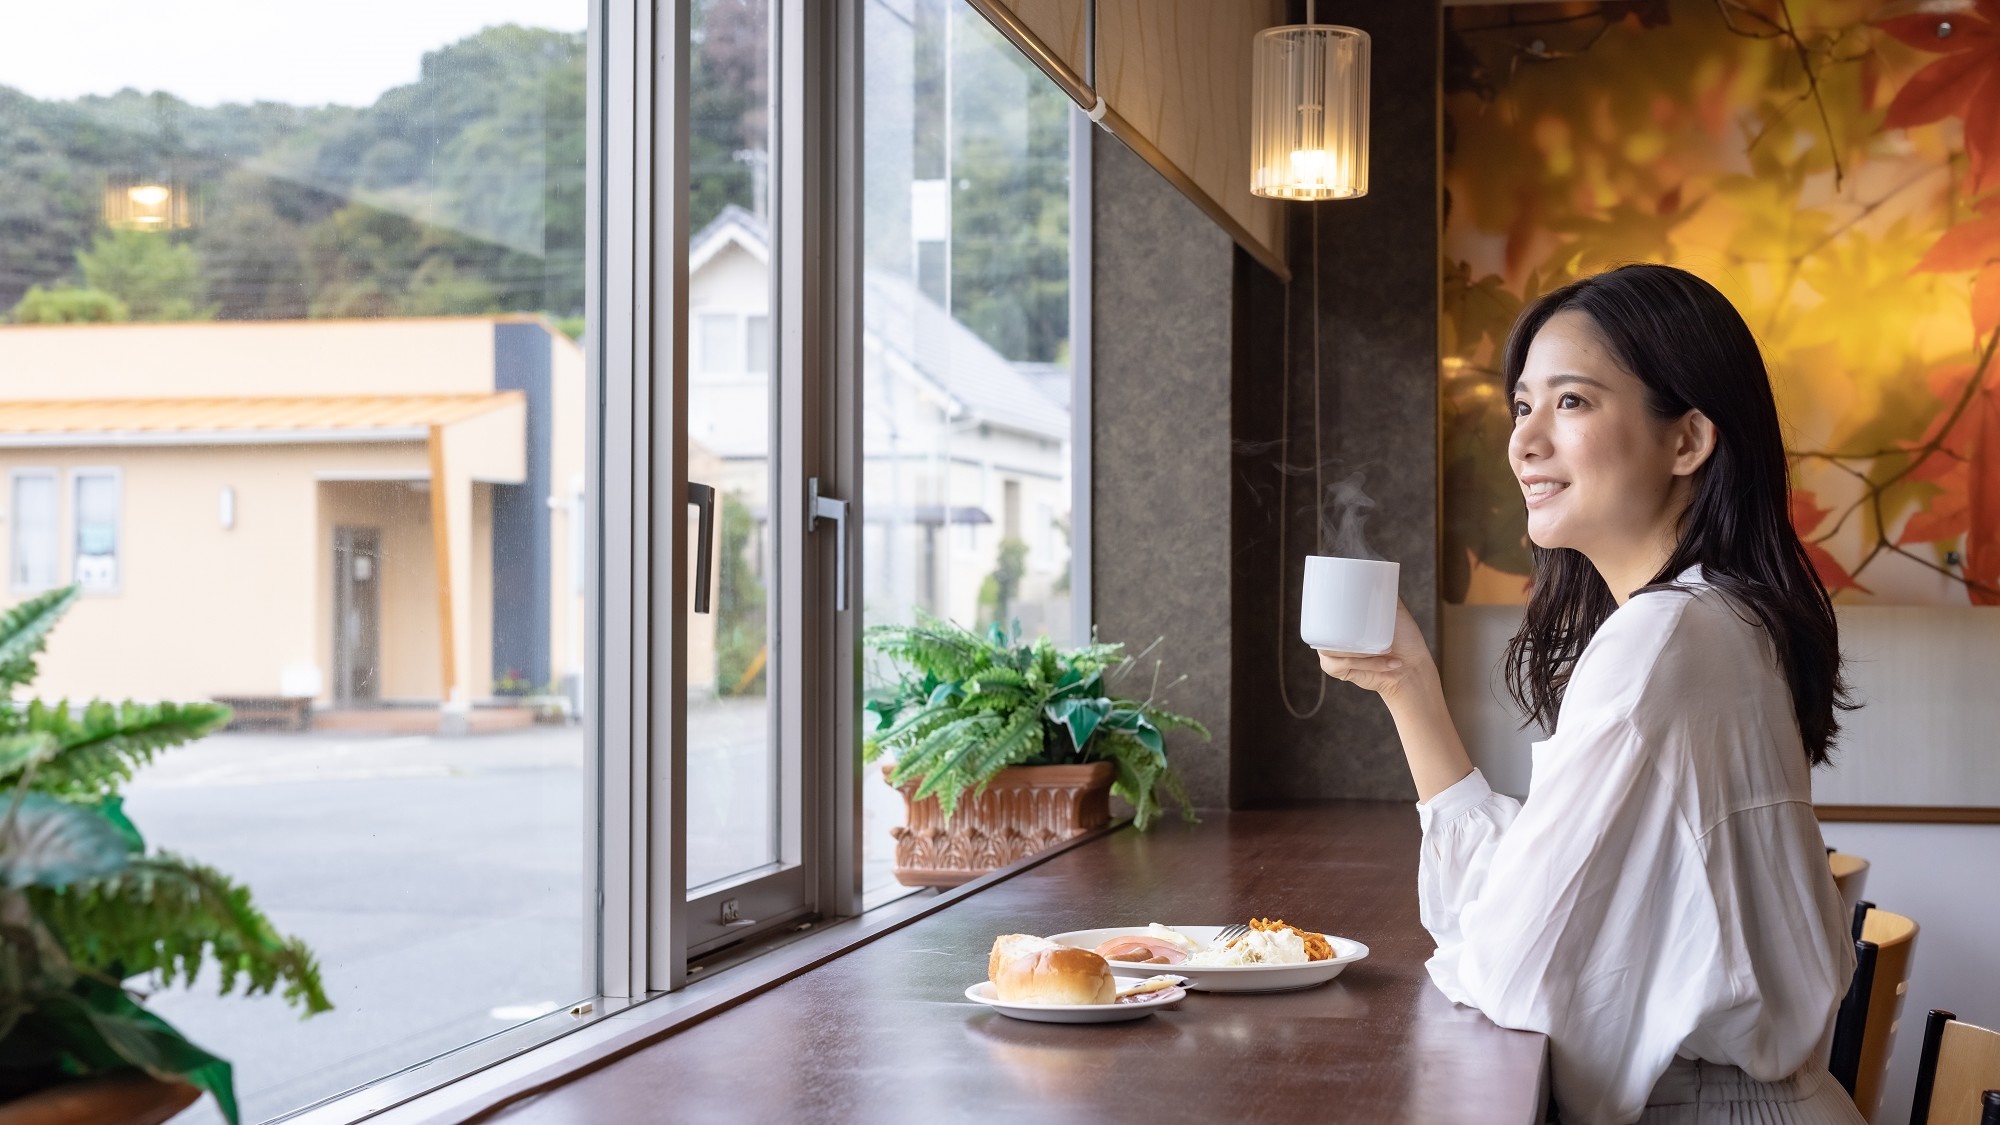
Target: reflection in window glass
965	339
302	297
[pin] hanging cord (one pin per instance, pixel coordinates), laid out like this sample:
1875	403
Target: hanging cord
1285	468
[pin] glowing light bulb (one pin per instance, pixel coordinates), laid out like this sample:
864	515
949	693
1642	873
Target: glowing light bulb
149	195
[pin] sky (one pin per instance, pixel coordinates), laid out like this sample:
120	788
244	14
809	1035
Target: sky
208	52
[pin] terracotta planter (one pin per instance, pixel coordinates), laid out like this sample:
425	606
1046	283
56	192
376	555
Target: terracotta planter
125	1098
1024	810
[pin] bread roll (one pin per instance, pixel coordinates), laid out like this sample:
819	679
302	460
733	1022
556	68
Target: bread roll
1026	969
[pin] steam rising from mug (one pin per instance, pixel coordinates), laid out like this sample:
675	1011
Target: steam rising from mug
1343	516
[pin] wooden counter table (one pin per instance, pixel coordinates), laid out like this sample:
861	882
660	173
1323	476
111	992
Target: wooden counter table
883	1033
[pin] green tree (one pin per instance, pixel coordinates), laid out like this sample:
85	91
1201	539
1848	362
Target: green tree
997	593
1009	199
156	278
69	305
727	92
740	606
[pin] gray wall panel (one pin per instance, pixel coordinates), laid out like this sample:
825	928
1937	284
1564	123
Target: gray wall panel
1160	505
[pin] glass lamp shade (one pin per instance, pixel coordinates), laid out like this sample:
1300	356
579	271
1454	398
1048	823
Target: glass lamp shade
1309	112
132	203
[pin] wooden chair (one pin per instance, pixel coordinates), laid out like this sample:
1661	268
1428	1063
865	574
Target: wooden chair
1865	1029
1850	874
1957	1073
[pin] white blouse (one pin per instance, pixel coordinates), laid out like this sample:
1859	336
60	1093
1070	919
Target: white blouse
1664	890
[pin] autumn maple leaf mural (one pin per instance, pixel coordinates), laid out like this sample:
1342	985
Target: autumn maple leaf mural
1835	171
1964	83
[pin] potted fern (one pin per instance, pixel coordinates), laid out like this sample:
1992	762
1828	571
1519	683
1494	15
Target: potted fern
86	906
1030	732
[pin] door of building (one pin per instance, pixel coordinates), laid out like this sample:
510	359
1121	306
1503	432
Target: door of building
357	620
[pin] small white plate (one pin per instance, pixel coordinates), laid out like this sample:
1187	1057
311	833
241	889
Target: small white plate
1226	978
1080	1013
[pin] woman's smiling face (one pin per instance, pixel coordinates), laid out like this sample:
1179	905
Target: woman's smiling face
1600	472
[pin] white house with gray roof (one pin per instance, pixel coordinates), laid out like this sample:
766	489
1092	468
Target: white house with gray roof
964	449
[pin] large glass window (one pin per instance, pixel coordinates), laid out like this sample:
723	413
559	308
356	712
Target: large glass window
966	359
300	299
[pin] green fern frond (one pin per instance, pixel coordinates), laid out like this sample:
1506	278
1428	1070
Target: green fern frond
22	752
933	645
935	759
1018	741
993	678
915	728
101	747
977	761
24	629
164	915
1168	720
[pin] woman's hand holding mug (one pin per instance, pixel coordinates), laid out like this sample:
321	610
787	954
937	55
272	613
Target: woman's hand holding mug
1386	673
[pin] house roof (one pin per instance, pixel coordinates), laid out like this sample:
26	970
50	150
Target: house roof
919	331
731	224
953	356
202	421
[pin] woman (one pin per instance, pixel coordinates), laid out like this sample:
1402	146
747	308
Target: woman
1661	906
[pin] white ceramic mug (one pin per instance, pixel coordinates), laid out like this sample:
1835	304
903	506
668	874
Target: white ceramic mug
1348	605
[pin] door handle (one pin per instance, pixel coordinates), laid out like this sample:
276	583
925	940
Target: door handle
702	496
819	508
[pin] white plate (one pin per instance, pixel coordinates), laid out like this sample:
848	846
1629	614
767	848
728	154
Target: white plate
1226	978
1080	1013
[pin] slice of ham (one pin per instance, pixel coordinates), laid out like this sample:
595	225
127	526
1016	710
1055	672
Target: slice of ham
1141	950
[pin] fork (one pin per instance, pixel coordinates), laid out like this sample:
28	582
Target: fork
1229	934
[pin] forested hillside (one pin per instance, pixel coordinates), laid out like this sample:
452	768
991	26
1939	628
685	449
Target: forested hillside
463	192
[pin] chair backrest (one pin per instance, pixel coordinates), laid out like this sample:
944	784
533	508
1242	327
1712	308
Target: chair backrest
1850	874
1865	1030
1959	1066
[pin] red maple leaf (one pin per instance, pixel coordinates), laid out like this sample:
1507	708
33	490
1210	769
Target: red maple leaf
1807	515
1964	83
1982	540
1966	467
1972	245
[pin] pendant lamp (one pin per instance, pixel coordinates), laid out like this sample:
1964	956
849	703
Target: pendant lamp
1309	111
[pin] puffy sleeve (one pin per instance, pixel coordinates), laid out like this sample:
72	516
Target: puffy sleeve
1584	913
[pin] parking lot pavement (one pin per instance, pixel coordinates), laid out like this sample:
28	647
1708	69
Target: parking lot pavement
436	879
440	881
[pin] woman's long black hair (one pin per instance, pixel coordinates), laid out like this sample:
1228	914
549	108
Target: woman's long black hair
1691	349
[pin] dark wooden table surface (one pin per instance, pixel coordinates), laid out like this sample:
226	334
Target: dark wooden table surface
884	1033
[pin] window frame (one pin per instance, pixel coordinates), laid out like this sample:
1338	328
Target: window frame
116	475
54	477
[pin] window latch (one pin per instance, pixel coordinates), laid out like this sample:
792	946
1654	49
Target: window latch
819	508
702	497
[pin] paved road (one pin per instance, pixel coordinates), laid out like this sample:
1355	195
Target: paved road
441	882
437	880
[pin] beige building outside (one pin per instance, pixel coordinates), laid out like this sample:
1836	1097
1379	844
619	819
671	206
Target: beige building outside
357	513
